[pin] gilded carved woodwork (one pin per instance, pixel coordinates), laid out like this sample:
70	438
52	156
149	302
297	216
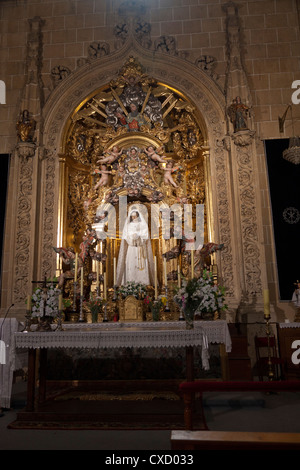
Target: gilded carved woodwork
163	119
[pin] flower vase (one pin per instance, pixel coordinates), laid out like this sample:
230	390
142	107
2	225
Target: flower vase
189	320
155	314
95	314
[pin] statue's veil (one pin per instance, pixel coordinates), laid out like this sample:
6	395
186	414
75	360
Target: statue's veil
124	246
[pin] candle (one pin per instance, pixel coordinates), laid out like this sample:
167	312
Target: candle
155	276
178	276
60	302
165	271
76	267
115	272
97	274
266	303
192	263
81	281
29	303
104	286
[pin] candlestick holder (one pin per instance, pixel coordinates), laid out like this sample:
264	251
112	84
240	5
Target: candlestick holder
181	315
167	308
59	320
105	320
268	332
27	322
81	317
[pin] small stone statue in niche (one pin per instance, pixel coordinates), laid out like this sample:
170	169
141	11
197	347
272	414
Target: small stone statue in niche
25	127
238	113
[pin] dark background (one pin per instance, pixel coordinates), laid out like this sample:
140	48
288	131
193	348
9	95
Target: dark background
4	165
284	182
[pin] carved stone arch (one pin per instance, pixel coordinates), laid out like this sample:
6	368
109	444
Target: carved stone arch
175	72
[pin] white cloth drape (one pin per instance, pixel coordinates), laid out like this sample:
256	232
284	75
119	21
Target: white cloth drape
8	327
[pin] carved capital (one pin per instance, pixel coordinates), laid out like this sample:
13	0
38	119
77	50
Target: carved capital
243	138
227	143
26	149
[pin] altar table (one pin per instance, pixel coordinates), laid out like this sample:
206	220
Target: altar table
120	335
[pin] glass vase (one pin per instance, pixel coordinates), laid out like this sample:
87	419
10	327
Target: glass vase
189	319
95	314
155	314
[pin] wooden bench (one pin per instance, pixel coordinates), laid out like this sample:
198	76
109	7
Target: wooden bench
189	390
223	440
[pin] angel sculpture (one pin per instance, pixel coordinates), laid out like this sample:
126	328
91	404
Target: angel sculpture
206	250
68	264
173	253
168	174
112	155
152	153
104	176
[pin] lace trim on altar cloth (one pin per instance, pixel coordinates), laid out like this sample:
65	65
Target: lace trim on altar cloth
289	325
131	335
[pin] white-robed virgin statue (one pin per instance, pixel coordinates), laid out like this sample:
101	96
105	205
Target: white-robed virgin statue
135	261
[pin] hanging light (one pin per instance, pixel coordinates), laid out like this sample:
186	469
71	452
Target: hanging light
292	153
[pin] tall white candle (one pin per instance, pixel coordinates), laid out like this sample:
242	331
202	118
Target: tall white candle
266	303
29	303
155	276
104	286
115	271
165	271
97	274
81	281
192	263
76	267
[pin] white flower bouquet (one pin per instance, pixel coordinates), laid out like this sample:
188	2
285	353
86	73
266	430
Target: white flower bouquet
136	289
45	301
201	296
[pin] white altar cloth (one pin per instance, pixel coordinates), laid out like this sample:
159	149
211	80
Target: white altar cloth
130	335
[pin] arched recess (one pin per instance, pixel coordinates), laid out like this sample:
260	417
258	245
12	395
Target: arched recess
175	73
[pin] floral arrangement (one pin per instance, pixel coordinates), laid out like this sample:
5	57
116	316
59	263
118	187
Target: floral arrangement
47	306
94	303
133	288
156	305
201	296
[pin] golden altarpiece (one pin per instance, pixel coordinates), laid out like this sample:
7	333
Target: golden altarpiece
138	139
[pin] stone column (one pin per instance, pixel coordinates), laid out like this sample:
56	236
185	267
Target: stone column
239	143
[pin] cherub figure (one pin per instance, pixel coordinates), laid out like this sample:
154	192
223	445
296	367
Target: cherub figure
119	177
112	155
152	153
168	173
104	176
68	264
